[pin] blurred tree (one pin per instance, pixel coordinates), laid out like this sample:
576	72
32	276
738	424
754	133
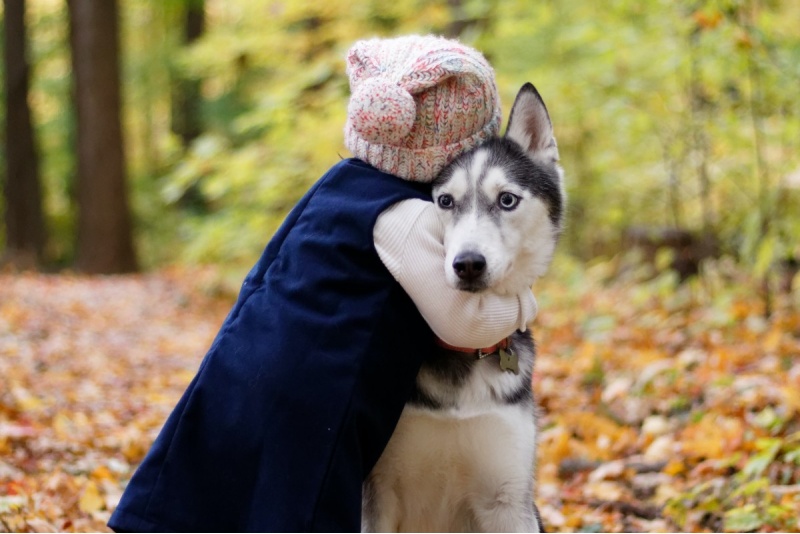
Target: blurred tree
186	95
25	232
105	243
187	99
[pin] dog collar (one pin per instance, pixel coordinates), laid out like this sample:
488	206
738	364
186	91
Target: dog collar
479	353
508	358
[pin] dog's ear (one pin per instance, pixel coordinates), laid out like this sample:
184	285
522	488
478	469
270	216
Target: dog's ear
529	125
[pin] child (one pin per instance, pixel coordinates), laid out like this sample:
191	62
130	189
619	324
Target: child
302	387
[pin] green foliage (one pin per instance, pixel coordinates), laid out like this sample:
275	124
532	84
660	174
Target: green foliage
275	101
667	113
617	77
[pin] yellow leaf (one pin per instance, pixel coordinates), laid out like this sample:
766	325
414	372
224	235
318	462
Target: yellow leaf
133	451
791	396
63	426
712	437
600	434
91	500
772	340
26	401
102	473
674	467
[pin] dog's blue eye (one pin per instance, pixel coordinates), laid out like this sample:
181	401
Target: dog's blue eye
508	201
445	201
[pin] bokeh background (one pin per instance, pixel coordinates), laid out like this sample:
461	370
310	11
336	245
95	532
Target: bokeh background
678	122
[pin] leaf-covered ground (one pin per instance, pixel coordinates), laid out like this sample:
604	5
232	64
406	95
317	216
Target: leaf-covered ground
664	407
89	370
667	407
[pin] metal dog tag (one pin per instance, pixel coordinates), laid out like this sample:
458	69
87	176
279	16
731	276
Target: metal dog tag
509	361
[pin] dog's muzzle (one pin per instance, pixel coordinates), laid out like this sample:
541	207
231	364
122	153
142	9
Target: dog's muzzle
469	266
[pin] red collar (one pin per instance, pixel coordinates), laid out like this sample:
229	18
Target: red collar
479	353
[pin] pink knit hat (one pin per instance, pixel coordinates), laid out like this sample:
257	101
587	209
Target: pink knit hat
417	103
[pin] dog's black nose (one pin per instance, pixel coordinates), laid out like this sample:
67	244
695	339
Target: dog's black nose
469	265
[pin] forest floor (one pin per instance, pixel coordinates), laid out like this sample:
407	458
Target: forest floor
664	407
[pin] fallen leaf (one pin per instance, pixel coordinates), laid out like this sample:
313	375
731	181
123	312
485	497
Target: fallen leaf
91	500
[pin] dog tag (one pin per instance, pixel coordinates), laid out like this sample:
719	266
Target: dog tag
509	361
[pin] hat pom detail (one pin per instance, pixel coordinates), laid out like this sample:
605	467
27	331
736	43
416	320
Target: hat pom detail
382	112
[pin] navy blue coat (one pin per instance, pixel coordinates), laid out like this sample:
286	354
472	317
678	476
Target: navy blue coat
302	387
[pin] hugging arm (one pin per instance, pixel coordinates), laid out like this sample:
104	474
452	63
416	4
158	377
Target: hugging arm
409	239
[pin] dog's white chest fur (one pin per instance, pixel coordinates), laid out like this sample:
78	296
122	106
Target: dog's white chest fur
441	473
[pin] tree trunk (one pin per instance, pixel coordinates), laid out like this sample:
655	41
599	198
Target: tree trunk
186	94
105	243
25	234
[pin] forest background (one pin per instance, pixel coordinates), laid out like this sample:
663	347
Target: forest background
172	137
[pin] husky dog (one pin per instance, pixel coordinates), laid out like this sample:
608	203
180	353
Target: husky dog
463	453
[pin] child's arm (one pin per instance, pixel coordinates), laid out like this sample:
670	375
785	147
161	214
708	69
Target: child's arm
408	237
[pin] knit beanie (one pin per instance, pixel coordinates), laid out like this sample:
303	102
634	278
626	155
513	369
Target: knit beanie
418	102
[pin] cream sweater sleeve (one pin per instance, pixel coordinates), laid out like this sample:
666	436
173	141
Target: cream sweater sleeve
408	237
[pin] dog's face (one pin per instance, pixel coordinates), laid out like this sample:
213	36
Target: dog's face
502	204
